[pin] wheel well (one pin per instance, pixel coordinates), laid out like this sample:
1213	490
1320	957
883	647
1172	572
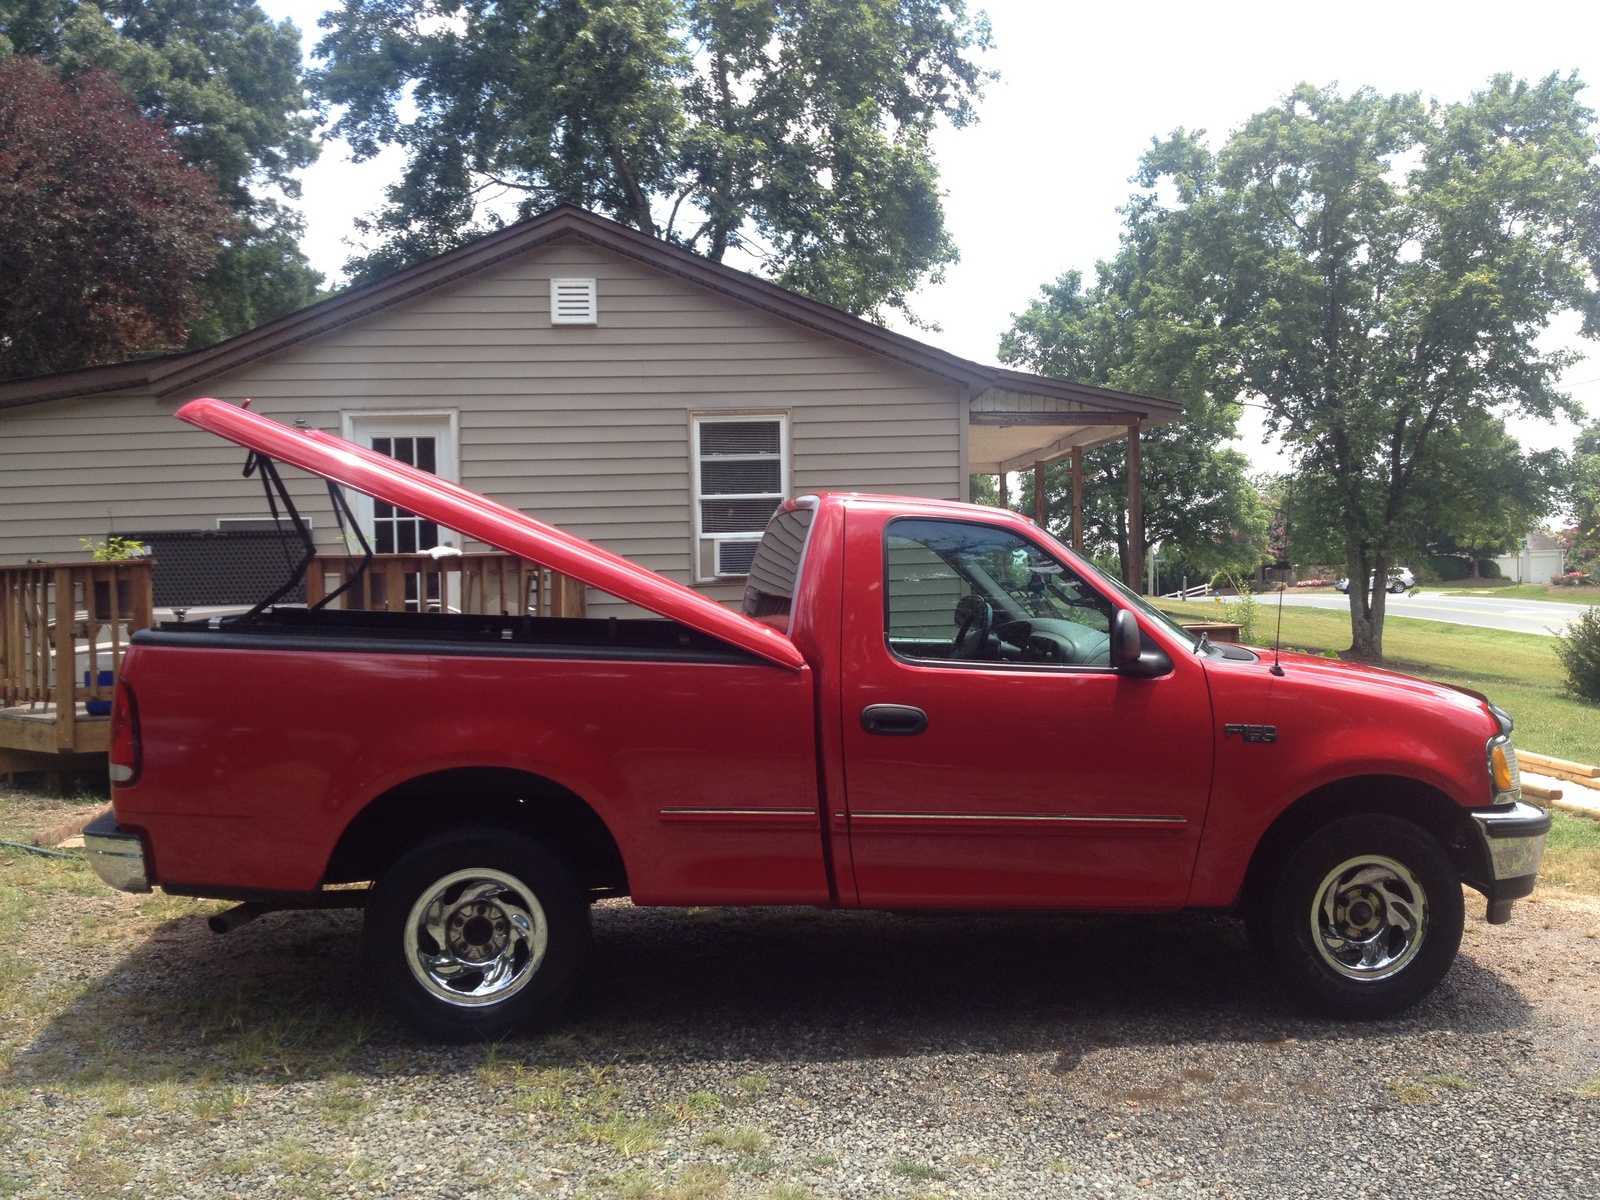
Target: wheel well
429	805
1392	795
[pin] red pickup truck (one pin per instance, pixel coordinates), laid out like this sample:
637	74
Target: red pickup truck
923	705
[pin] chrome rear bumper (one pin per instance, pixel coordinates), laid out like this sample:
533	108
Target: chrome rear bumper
116	856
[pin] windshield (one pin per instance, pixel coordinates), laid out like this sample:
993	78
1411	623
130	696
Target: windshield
1142	604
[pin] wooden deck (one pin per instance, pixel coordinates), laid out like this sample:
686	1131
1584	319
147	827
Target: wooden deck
85	613
64	628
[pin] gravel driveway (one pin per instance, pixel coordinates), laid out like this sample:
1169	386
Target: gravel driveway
783	1054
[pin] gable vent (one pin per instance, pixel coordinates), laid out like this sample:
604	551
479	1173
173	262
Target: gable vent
572	302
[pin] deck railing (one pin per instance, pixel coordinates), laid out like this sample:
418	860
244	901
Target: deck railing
62	624
493	583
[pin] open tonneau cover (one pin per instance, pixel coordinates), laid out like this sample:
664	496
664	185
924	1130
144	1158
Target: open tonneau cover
487	521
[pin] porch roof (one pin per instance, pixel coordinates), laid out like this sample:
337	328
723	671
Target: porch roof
1016	423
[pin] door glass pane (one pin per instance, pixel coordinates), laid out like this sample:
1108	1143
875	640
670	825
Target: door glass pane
968	592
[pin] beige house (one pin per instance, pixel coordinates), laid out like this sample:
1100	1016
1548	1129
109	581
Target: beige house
637	395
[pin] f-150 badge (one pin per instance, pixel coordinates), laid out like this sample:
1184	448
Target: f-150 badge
1252	733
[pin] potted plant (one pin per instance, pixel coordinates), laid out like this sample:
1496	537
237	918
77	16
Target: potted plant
113	549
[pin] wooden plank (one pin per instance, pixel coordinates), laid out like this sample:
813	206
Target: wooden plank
1542	764
1576	809
37	737
65	691
1535	791
1063	420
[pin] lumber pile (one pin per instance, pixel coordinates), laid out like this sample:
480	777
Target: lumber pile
1584	777
1559	768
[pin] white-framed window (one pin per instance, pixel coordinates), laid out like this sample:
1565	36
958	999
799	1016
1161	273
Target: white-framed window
741	475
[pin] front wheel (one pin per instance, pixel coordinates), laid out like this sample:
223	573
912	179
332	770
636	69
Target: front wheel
1366	917
476	934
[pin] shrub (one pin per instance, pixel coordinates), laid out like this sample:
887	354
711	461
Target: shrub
1447	568
1243	612
1579	651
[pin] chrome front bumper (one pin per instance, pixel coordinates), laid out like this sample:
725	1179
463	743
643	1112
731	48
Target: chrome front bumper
1513	840
117	857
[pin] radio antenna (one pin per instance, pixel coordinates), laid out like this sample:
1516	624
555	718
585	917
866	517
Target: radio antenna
1277	638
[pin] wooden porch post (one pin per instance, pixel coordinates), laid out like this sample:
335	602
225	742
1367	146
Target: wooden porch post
1135	578
1077	499
1039	506
1005	501
66	681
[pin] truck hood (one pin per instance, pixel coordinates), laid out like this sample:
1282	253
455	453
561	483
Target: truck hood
1359	678
489	522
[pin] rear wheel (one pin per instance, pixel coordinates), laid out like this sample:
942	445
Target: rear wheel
1366	917
476	934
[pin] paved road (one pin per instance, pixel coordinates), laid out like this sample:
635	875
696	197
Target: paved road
1519	616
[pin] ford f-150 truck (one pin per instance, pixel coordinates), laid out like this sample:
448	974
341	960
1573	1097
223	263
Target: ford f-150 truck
922	705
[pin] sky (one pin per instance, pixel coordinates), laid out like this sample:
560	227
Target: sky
1033	188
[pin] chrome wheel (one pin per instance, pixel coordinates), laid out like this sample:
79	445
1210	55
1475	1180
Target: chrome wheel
476	937
1369	918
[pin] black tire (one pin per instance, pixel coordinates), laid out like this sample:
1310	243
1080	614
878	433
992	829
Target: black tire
514	928
1366	917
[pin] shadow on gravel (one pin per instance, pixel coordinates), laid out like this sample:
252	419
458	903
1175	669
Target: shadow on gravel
284	997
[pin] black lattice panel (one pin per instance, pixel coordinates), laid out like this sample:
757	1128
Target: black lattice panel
197	567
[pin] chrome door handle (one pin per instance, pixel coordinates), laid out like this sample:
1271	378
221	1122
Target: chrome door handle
893	720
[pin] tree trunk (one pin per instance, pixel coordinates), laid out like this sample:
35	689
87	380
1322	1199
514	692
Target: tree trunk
643	219
1366	604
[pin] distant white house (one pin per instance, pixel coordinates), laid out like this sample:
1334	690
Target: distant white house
1540	560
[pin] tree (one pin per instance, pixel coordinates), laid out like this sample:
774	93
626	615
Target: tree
1490	492
1130	332
1384	268
1581	496
227	83
794	131
105	234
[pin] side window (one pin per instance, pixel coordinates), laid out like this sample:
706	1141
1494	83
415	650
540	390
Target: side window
769	595
741	474
966	592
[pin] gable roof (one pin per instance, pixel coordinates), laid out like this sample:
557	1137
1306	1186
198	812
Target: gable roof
175	372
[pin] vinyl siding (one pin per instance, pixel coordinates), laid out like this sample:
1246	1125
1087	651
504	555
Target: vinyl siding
586	427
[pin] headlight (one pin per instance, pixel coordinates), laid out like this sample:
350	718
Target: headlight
1505	778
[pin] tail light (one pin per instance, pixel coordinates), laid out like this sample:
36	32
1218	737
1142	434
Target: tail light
127	752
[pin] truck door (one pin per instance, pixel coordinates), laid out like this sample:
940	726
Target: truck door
992	755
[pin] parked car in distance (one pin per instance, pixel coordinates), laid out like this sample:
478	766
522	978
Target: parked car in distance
1400	580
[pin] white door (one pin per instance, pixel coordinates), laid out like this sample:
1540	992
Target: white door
427	441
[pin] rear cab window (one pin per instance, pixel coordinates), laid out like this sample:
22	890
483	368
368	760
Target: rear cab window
775	570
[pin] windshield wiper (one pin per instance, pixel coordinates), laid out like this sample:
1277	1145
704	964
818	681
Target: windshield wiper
1203	643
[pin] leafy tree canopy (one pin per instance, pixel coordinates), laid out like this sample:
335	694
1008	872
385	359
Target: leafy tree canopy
105	233
1382	269
1135	330
795	131
227	83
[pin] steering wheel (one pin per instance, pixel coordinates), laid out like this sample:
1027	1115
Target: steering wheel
974	619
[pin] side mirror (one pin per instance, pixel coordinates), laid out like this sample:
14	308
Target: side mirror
1126	641
1131	654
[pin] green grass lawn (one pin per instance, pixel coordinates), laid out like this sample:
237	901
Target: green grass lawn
1518	671
1515	591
